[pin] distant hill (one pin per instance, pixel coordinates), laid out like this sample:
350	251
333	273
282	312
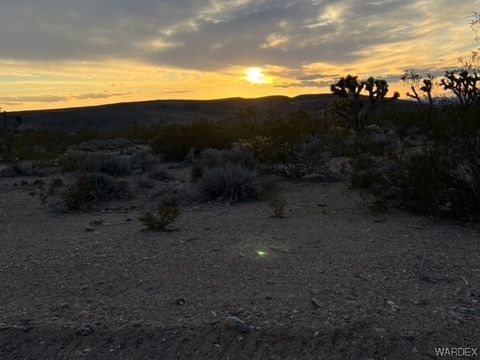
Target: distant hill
116	116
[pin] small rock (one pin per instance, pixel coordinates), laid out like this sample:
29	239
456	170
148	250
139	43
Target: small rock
85	331
317	303
24	183
89	229
180	301
233	322
96	222
39	182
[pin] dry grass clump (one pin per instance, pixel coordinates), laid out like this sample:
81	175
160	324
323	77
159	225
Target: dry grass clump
160	218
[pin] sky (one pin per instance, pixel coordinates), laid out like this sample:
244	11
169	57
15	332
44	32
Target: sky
64	53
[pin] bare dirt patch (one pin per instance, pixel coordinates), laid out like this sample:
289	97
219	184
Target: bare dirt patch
331	280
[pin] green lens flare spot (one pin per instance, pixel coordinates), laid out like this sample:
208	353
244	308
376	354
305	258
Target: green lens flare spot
261	253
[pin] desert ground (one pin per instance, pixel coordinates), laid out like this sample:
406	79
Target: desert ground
330	280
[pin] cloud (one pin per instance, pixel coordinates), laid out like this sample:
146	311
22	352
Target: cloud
214	34
99	95
37	98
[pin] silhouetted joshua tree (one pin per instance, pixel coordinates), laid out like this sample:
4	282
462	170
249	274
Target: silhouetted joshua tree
414	79
354	109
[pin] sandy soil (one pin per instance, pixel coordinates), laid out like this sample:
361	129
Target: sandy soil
337	281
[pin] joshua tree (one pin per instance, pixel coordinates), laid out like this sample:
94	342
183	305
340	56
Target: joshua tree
414	80
350	88
464	83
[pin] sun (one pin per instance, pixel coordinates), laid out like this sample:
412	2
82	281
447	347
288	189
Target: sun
255	75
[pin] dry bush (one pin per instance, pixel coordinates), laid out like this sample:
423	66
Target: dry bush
160	218
88	189
278	206
231	182
304	159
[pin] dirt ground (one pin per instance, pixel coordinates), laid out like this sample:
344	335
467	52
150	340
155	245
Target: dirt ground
332	280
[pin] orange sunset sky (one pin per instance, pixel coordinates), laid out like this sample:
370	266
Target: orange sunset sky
63	53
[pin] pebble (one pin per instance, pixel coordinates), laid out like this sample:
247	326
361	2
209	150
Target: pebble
180	301
233	322
317	303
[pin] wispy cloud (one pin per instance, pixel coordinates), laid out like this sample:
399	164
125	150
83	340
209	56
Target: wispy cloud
200	47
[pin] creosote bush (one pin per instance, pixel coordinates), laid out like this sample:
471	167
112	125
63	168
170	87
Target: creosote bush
229	175
305	159
160	218
88	189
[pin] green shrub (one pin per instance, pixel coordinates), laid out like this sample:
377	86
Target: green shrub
162	217
88	189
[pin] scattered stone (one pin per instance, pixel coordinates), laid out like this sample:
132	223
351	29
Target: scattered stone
39	182
317	303
379	221
89	229
180	301
84	331
24	183
233	322
321	205
96	222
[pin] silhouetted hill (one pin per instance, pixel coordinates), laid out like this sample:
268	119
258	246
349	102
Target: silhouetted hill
117	116
108	117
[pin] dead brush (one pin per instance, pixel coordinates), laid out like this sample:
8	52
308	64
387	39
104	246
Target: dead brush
160	218
278	205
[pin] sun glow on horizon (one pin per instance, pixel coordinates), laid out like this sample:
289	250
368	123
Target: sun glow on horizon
256	76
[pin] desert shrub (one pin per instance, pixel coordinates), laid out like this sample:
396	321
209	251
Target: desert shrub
110	164
144	161
304	159
174	142
98	145
145	182
113	165
88	189
161	175
232	182
278	206
265	148
265	130
9	131
442	181
211	158
366	171
53	187
160	218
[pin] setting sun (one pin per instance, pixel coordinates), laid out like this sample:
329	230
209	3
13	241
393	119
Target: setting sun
255	75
